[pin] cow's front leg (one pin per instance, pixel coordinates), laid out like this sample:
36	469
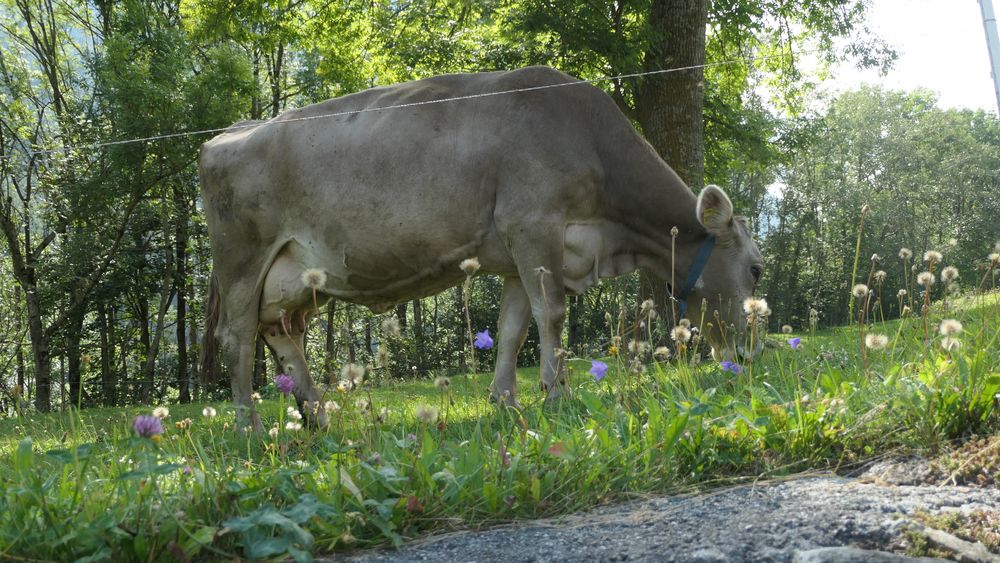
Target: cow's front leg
539	257
288	347
240	352
515	313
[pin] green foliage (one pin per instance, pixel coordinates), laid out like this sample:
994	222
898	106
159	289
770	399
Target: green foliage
203	490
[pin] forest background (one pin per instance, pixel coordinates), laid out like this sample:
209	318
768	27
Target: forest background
104	264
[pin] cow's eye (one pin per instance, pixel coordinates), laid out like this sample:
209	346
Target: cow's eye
756	271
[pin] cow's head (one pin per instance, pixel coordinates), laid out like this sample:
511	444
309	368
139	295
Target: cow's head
729	277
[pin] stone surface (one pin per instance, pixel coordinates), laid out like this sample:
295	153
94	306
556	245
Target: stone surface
777	521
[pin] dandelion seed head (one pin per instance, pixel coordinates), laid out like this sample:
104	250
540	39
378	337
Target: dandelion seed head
638	347
932	256
786	329
354	374
950	327
470	266
865	209
860	290
426	414
273	433
950	344
390	326
293	413
255	397
313	278
755	307
442	382
949	274
383	356
680	334
901	293
880	277
905	253
208	412
994	258
331	407
876	341
293	425
674	231
876	258
161	412
926	279
662	353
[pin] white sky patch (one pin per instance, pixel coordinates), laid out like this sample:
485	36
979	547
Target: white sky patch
941	46
776	190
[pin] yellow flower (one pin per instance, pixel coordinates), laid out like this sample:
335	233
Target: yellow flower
613	350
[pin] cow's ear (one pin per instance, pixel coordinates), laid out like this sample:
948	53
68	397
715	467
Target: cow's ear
715	211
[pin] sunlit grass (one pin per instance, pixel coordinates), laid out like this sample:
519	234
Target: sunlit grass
86	486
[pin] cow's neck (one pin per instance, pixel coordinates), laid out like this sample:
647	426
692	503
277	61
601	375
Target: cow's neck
651	200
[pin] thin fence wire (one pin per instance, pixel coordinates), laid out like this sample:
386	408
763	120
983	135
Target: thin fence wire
745	61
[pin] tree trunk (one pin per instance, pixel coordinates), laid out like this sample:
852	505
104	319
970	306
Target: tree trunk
19	351
330	345
74	331
259	364
670	106
107	352
401	315
149	366
180	290
418	332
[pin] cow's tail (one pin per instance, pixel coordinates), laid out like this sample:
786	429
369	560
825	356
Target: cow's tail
208	356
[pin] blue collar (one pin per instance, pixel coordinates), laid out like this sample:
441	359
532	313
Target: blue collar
694	273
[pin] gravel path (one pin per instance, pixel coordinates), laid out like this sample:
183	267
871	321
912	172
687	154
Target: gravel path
780	521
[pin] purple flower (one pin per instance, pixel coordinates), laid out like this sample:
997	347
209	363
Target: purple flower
483	340
147	426
284	383
794	342
598	370
731	366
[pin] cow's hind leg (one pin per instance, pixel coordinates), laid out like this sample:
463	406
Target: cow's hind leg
286	305
238	346
515	313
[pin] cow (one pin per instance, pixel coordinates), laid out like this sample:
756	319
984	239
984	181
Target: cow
381	194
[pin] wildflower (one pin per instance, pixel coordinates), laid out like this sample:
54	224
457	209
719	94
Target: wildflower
950	327
932	256
674	231
638	347
255	397
292	425
880	277
293	413
598	370
794	342
363	405
383	414
636	366
161	412
876	341
906	311
994	258
382	356
756	307
343	386
949	274
442	382
926	279
786	329
860	291
470	266
426	414
905	253
208	412
483	340
353	374
613	350
901	293
313	278
662	352
876	258
331	407
284	383
183	424
148	427
390	326
731	366
865	209
273	432
950	344
680	334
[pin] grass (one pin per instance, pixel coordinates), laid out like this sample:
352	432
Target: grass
82	486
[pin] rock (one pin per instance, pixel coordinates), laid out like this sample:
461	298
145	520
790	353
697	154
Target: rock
849	554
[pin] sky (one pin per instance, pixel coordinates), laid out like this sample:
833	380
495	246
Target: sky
941	46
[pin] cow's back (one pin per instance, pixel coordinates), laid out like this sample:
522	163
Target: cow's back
389	197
